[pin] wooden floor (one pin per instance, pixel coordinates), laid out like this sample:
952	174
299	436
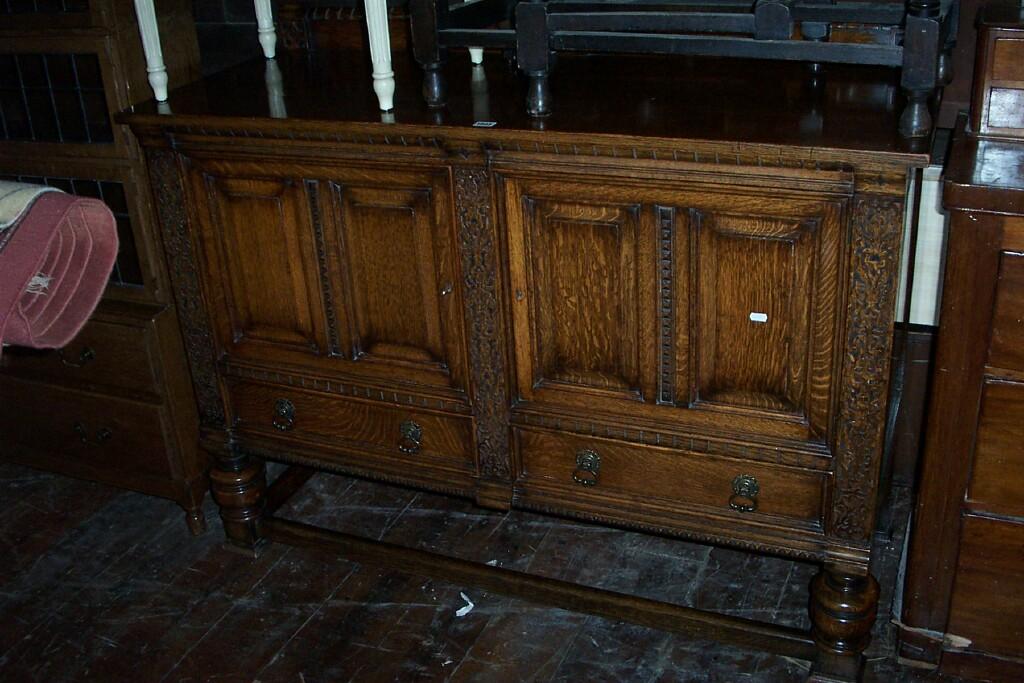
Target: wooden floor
97	584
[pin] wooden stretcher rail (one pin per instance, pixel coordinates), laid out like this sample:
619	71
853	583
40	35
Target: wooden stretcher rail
687	621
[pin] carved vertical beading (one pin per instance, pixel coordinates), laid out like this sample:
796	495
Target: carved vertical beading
666	303
876	238
181	261
313	192
478	244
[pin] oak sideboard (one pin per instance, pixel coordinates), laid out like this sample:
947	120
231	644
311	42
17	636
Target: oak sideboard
668	306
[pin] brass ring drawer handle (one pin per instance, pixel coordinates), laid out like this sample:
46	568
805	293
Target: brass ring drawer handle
410	437
284	415
588	467
744	493
84	358
103	435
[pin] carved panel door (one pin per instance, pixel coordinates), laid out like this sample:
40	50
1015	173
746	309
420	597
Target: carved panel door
345	270
708	305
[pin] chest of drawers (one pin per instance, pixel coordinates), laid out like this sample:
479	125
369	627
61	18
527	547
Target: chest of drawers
962	608
114	406
677	332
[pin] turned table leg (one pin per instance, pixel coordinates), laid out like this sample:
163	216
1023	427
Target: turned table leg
238	482
843	607
534	55
920	72
265	28
426	18
150	33
380	52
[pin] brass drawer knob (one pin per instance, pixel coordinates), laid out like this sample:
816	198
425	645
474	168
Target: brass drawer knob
103	435
410	437
588	466
86	356
744	493
284	415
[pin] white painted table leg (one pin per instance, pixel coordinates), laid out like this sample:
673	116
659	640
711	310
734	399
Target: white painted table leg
150	33
380	52
476	55
481	100
275	90
265	28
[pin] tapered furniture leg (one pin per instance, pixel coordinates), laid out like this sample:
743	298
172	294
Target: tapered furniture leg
538	95
238	482
196	520
843	608
380	52
265	28
150	32
916	119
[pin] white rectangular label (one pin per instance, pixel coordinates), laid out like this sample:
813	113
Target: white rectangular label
758	317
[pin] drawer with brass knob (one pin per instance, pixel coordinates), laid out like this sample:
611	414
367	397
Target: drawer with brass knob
584	470
106	355
419	437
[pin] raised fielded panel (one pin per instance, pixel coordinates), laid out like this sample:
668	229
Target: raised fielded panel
264	260
677	302
584	313
346	270
766	287
399	302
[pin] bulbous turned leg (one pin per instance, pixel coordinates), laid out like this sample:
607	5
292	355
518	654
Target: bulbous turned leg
843	607
538	94
238	482
916	120
435	91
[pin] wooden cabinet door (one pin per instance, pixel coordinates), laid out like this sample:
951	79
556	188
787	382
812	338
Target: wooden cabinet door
399	309
708	305
346	270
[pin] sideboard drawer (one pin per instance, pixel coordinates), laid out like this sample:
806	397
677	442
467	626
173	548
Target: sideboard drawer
106	355
328	420
1007	349
662	477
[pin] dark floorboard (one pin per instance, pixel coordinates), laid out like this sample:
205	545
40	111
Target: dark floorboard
102	585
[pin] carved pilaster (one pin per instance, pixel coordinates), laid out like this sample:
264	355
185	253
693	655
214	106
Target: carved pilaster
195	326
478	244
876	238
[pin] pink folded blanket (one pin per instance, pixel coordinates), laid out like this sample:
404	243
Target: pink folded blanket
56	255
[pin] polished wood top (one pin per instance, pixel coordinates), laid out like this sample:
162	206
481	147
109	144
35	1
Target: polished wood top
985	174
667	98
1001	13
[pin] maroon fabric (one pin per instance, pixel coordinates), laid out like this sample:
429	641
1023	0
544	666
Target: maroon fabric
73	241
